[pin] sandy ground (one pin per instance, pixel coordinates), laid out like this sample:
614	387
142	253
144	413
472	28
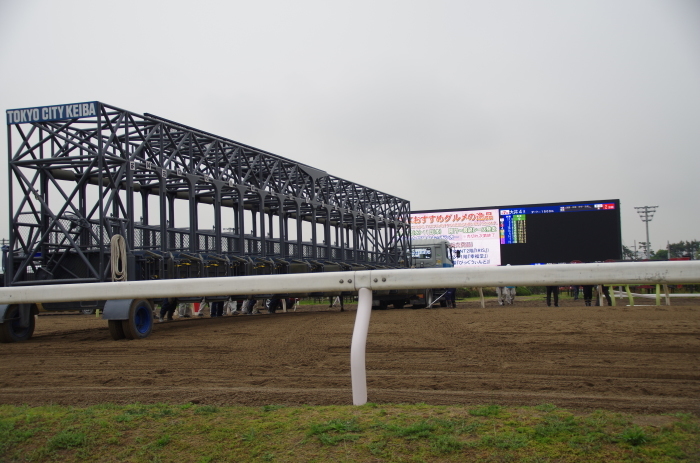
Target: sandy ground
635	359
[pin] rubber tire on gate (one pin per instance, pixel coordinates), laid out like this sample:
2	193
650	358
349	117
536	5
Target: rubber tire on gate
9	329
116	329
140	322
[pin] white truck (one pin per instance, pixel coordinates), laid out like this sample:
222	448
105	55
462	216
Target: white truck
435	253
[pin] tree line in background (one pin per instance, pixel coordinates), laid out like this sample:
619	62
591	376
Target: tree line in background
689	249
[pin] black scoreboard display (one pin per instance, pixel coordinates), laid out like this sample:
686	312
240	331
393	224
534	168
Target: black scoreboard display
586	231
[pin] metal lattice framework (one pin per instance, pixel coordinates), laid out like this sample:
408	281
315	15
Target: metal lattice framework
76	182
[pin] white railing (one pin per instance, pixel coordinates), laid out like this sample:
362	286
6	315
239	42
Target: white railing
678	272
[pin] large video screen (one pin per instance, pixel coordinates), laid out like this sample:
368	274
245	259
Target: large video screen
587	231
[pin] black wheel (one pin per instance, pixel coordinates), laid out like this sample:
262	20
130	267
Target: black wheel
11	330
140	322
116	329
87	311
399	304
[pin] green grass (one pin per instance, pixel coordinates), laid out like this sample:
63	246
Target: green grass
374	432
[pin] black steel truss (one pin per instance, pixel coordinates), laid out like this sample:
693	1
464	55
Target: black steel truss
75	183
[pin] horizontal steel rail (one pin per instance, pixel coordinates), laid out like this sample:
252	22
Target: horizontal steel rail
677	272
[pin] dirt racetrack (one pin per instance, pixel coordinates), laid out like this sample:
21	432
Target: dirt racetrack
635	359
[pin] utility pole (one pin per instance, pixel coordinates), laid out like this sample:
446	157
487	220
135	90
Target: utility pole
646	213
643	249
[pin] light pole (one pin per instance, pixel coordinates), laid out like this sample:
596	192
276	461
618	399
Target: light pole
646	213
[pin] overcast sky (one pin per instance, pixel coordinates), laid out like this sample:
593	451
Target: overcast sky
448	104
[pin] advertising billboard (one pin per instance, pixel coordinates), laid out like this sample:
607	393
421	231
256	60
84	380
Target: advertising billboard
586	231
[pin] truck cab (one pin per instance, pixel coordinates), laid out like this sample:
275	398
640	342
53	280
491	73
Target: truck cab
432	254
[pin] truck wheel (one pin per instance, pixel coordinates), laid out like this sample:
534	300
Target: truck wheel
87	311
399	304
140	321
116	329
11	329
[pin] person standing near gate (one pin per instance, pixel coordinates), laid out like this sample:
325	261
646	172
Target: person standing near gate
510	295
574	291
501	294
217	309
167	309
184	310
587	294
450	295
605	292
553	291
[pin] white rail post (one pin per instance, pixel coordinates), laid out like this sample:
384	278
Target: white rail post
359	343
629	295
658	294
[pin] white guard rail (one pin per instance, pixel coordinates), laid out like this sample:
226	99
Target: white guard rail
676	272
679	272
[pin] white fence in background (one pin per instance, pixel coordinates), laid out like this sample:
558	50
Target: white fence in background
364	282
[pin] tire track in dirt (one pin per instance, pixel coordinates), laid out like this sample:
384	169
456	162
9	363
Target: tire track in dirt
624	359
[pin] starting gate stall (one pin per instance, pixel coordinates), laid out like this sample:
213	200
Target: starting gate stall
99	194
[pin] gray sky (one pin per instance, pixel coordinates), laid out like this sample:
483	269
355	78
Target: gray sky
449	104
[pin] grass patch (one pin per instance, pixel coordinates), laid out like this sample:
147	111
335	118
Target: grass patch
420	430
206	410
546	407
634	436
67	440
334	432
486	410
271	408
446	444
505	440
386	432
10	435
249	435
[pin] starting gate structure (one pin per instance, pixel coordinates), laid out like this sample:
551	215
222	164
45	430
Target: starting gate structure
98	193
